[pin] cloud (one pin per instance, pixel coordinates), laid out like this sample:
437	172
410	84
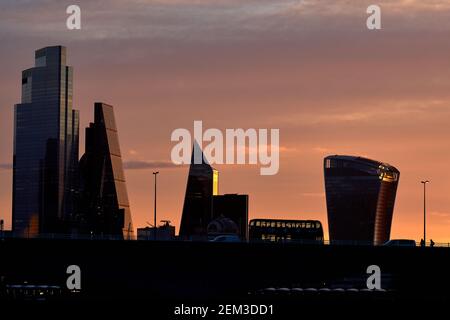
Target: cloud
321	150
429	5
112	19
142	165
382	110
207	21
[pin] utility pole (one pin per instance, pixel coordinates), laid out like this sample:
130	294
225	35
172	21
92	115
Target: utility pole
424	211
154	225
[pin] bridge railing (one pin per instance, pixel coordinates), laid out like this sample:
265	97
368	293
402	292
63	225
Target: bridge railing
60	236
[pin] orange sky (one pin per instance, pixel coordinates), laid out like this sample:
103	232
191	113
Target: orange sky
308	68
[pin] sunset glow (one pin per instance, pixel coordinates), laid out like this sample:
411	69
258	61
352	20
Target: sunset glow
309	68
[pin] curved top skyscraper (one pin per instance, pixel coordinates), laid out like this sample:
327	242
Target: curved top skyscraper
360	196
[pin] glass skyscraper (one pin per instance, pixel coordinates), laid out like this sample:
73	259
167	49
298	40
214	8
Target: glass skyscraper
104	208
202	185
360	196
45	146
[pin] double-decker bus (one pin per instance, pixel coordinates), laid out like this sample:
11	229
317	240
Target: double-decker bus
275	230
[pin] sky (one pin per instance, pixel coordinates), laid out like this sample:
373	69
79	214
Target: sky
311	69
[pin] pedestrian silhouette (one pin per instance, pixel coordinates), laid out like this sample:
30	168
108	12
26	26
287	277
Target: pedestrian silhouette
422	243
431	243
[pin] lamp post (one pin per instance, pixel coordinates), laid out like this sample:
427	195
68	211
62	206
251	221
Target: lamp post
154	225
424	211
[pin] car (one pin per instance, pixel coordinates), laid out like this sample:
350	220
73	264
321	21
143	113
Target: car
227	238
400	243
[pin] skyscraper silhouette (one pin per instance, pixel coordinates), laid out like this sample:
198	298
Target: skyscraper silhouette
45	146
360	196
104	207
202	185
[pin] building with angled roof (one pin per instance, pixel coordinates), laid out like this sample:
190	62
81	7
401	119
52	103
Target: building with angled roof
104	207
202	185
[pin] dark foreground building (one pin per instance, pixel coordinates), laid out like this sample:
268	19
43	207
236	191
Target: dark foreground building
45	147
233	207
360	196
104	208
293	278
202	185
164	232
275	230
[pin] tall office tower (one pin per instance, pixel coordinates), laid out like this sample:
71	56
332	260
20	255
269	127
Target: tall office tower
45	146
104	208
360	197
202	185
233	207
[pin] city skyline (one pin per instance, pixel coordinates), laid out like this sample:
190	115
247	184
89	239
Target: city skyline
392	105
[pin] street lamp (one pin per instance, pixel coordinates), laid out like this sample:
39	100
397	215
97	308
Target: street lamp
424	211
154	225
